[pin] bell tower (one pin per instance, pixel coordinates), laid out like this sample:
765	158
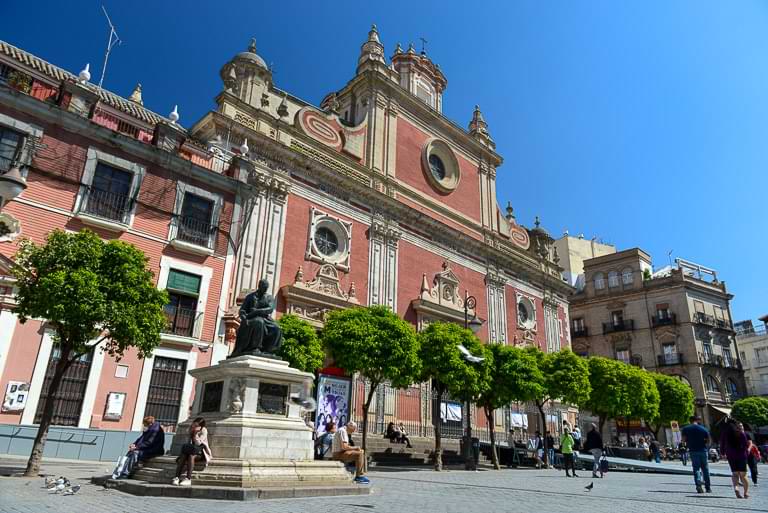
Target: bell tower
420	76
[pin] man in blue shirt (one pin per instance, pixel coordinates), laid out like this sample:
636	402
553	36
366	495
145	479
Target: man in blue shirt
696	438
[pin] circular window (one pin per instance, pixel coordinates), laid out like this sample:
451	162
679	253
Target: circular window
437	167
440	165
326	240
330	241
525	313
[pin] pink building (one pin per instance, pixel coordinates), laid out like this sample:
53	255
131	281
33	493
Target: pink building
373	197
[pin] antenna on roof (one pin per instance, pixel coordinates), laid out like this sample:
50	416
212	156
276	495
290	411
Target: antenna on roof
113	40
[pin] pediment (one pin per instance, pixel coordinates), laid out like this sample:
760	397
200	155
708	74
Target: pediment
312	300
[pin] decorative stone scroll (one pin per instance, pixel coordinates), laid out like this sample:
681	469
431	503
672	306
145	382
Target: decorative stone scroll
440	301
328	130
312	300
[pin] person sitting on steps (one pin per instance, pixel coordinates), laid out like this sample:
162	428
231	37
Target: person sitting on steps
197	446
343	450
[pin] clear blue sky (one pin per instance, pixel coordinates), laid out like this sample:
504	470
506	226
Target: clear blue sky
644	123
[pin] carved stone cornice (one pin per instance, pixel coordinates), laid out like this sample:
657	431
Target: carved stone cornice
493	279
312	300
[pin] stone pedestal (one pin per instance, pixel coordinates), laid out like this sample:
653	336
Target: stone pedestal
257	436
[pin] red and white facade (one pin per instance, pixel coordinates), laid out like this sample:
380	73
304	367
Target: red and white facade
374	197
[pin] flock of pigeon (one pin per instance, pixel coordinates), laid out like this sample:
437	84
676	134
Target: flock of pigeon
60	485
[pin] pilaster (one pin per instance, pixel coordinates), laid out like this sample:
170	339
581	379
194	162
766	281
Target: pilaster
384	236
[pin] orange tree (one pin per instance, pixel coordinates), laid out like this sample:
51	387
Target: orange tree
91	293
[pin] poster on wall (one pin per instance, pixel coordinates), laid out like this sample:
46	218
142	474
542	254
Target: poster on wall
16	394
333	400
115	404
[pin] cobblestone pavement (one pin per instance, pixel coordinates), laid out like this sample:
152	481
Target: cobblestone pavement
405	491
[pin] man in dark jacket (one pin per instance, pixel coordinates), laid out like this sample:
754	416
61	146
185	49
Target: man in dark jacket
151	443
594	444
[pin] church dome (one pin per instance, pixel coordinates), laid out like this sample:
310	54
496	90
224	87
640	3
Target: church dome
252	56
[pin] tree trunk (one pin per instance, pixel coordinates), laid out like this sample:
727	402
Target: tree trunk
655	431
601	424
436	422
366	407
36	457
540	406
491	422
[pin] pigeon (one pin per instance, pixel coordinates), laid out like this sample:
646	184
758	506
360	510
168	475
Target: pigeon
590	486
49	482
72	491
307	403
58	488
469	356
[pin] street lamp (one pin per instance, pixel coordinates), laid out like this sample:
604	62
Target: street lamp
470	302
11	185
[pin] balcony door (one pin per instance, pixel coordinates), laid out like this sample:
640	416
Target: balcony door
181	311
109	195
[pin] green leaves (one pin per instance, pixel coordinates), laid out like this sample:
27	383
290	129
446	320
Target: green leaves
374	342
610	393
566	377
643	396
752	411
88	288
514	376
676	400
301	346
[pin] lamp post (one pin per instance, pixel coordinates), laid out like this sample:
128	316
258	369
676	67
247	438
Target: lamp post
11	185
470	302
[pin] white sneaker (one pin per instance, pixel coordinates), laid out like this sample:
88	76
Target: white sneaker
186	482
175	481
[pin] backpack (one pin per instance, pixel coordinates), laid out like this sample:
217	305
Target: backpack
603	465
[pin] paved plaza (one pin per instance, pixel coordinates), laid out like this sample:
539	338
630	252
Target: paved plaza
405	490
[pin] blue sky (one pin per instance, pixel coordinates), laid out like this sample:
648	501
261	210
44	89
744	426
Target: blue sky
644	123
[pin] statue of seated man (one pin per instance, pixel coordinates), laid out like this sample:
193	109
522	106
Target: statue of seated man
258	333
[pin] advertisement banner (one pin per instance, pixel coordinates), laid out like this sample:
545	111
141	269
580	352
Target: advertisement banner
15	396
334	395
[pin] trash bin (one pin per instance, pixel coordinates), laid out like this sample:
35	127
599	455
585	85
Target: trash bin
476	449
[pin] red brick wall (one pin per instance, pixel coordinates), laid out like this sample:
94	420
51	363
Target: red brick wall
410	142
295	247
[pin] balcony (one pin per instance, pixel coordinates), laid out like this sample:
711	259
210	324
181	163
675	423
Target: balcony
613	327
105	209
670	359
702	318
668	320
193	235
580	332
711	359
183	322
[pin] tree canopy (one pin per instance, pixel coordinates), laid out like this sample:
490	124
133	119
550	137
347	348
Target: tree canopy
86	289
643	396
376	343
566	377
752	411
301	346
442	360
675	400
610	394
93	293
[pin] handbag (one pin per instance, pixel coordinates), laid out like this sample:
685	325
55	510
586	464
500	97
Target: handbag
603	465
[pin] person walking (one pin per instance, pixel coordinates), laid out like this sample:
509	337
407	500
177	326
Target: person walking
594	444
696	438
566	447
683	450
753	458
655	450
733	443
576	434
537	445
550	450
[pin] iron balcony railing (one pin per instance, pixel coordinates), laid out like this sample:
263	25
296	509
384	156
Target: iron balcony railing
670	359
105	204
195	231
702	318
668	320
612	327
183	322
580	332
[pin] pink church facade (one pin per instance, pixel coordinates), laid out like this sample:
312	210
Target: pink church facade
373	197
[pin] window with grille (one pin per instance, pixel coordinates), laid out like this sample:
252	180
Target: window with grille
195	220
68	399
109	195
10	146
165	391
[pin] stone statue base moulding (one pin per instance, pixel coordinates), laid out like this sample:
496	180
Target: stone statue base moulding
257	436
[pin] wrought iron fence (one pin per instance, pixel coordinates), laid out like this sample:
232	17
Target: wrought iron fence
184	322
107	205
417	406
195	231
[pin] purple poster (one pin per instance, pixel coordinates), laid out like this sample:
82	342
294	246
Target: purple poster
333	398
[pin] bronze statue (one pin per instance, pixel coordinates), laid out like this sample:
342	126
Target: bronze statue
258	333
